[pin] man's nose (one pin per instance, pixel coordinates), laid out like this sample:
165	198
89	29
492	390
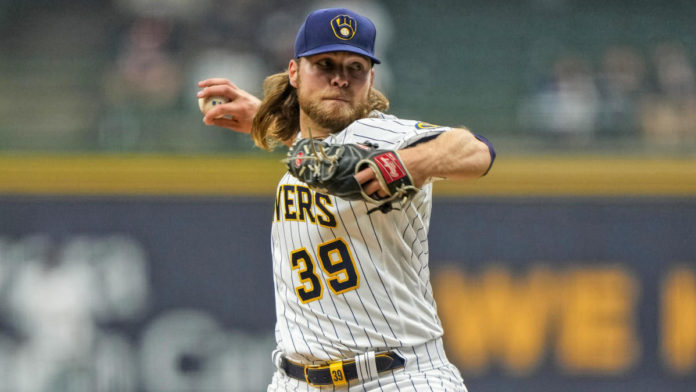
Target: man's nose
339	78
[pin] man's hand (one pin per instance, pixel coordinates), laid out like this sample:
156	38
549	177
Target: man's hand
367	178
238	114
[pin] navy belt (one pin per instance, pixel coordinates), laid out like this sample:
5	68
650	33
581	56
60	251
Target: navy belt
338	373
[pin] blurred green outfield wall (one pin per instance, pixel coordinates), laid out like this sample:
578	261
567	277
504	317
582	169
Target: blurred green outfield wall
533	75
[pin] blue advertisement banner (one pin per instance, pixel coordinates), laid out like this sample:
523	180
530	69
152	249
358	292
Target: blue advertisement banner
176	294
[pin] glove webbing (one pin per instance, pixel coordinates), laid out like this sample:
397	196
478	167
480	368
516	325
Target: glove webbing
316	168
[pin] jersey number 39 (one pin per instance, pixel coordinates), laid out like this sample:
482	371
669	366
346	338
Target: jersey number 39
337	263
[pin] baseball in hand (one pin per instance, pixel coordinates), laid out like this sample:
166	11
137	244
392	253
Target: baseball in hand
208	103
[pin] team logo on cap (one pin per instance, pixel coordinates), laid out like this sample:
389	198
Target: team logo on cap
344	27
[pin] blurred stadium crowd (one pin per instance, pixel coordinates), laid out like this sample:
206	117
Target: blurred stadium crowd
626	96
537	75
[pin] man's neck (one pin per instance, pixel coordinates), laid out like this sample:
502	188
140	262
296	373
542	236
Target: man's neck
307	126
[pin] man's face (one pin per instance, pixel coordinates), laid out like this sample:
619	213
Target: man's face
333	88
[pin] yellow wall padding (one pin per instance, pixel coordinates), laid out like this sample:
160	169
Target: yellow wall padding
258	175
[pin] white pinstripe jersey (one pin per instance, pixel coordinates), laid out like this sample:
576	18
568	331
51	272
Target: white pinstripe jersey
347	282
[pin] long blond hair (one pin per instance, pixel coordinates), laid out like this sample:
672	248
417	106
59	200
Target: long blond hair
278	117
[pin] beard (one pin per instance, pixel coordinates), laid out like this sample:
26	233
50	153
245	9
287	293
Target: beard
333	116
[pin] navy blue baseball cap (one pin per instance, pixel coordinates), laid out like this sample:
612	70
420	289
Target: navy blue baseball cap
334	30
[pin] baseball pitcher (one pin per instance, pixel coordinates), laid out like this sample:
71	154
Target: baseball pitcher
354	304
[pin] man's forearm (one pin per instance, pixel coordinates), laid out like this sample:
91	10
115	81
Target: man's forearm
456	154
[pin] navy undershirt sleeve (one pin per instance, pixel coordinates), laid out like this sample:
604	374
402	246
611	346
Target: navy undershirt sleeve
490	149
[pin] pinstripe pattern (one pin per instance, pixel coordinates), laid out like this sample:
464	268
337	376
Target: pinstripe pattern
388	302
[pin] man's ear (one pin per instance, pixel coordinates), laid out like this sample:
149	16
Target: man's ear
293	69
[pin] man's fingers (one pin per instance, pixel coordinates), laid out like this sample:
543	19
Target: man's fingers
373	187
218	87
365	175
368	180
224	122
219	90
219	111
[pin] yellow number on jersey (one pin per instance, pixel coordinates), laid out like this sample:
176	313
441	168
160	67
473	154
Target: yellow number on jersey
336	261
311	287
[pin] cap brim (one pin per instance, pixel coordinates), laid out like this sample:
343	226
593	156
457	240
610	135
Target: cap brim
339	48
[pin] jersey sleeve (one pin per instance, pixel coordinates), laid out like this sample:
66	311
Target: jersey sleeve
389	132
421	132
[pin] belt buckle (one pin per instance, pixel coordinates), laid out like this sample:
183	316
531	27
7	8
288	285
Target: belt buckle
306	376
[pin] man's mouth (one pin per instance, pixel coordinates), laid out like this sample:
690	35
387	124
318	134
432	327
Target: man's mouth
341	99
